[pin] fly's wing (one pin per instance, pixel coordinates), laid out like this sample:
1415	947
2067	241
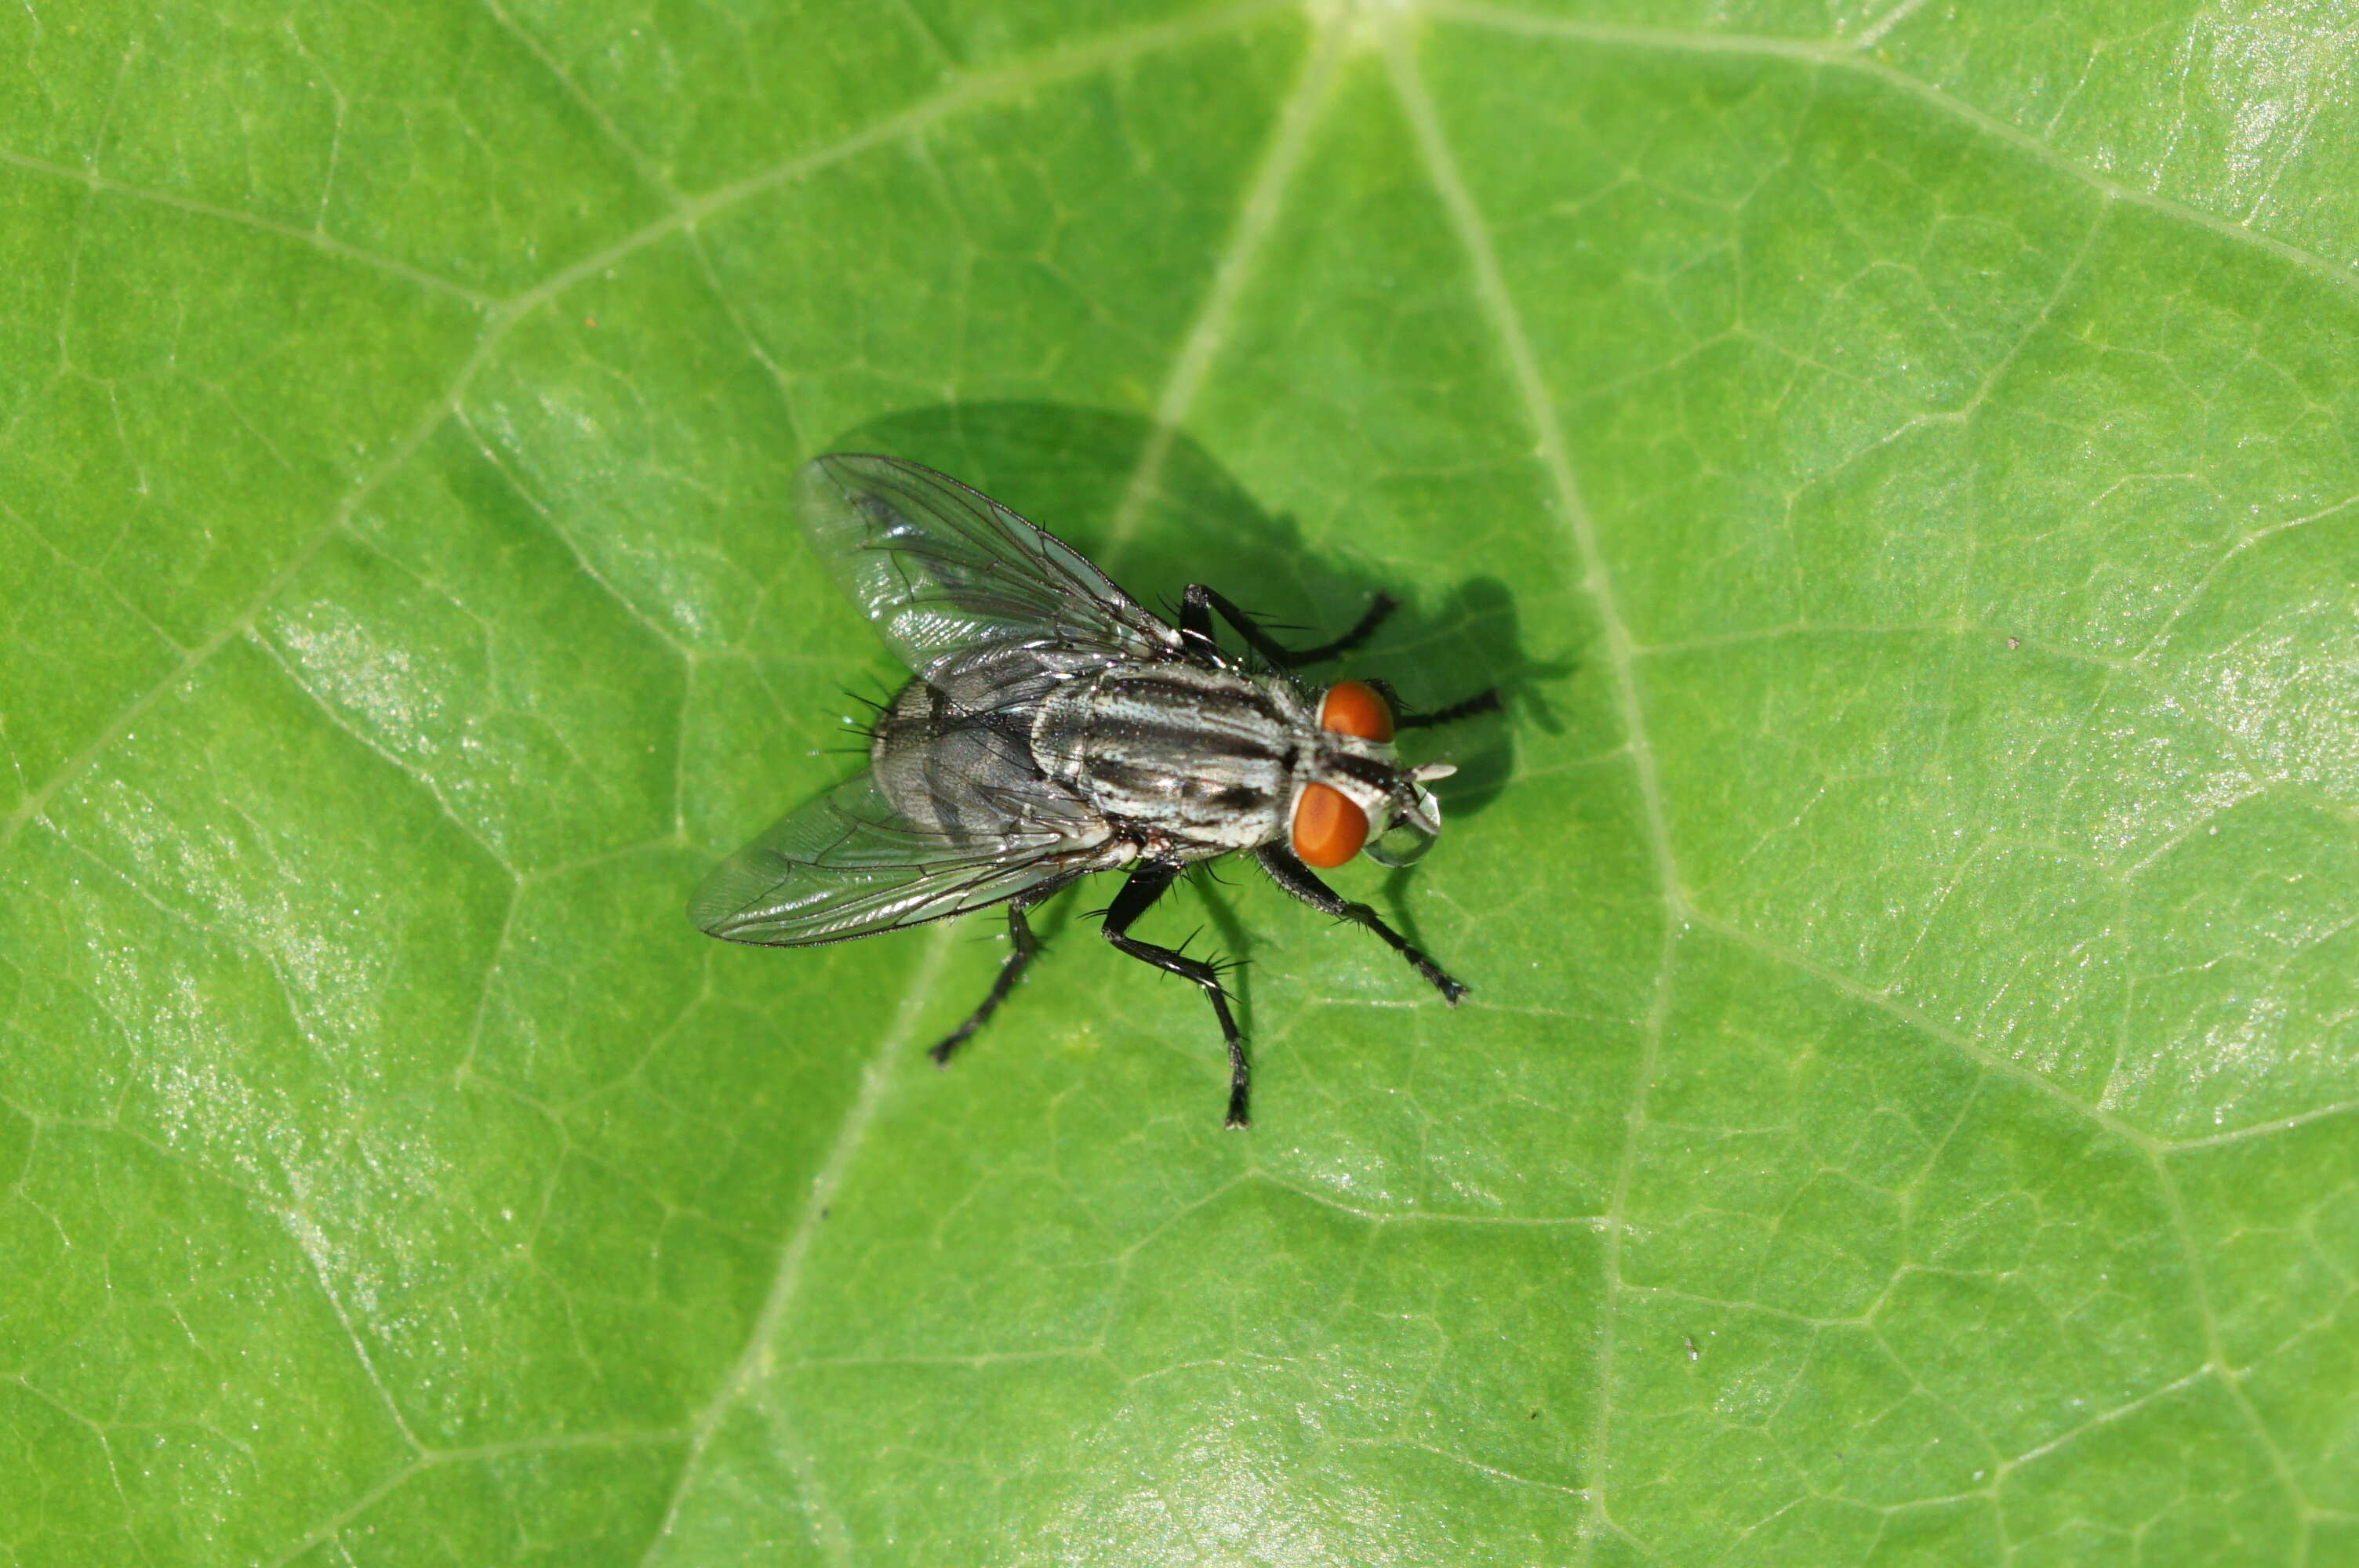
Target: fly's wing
848	865
937	567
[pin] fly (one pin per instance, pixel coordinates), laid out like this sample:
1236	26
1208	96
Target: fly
1057	727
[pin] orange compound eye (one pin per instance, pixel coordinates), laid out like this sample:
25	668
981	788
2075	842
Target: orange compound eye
1352	707
1329	828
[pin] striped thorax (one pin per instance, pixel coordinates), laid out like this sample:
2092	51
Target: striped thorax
1201	762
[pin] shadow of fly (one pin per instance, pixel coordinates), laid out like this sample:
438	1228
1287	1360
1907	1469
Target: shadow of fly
1057	727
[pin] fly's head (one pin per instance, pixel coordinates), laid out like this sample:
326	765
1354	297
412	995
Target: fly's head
1358	787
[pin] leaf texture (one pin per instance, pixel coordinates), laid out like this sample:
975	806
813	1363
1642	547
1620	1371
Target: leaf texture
1899	461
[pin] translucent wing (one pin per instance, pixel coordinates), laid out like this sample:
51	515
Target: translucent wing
937	567
848	865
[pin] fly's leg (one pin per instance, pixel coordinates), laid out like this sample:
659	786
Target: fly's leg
1196	607
1404	718
1296	878
1022	949
1147	885
1483	701
1380	609
1197	604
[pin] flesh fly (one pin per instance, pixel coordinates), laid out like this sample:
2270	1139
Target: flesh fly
1057	727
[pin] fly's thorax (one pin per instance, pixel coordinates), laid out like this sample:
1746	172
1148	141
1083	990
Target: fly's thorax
1207	760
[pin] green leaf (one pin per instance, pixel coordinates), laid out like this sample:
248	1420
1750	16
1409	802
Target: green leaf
1900	461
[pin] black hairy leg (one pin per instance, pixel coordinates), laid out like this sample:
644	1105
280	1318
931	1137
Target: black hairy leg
1288	872
1406	718
1022	949
1198	603
1149	882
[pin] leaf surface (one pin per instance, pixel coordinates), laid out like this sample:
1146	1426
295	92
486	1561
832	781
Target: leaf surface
1899	462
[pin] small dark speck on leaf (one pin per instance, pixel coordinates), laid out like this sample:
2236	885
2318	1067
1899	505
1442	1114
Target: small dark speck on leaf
1688	1340
822	1211
2013	643
1536	1415
590	321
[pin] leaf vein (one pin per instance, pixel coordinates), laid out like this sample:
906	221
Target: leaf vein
752	1361
1845	57
318	240
1498	304
1257	216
